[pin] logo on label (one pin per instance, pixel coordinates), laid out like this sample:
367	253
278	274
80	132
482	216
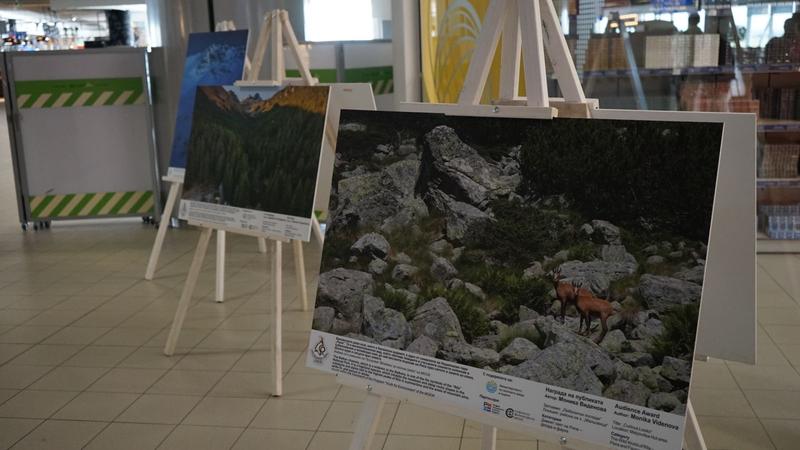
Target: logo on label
491	386
319	351
510	413
487	406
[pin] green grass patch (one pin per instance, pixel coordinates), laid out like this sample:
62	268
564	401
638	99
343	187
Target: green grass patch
677	340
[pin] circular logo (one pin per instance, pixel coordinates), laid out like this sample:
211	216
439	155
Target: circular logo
510	413
491	386
319	351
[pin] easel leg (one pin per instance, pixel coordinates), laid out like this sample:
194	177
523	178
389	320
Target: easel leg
316	228
262	245
172	197
300	272
220	291
367	422
488	437
277	340
692	436
188	291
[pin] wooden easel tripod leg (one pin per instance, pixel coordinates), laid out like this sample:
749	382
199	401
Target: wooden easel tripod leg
367	422
277	318
220	283
152	263
488	437
188	291
300	272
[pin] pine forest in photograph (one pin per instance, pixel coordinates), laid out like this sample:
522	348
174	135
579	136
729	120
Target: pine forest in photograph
569	252
257	148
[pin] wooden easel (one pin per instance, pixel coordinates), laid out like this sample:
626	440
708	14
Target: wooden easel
276	25
176	182
527	28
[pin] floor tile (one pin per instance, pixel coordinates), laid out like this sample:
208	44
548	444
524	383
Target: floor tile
127	380
207	359
243	384
100	406
774	404
154	408
76	335
341	417
396	442
734	433
785	434
230	339
31	404
150	358
69	378
12	430
99	356
310	387
24	334
130	436
224	412
60	435
720	402
286	414
201	438
766	377
187	382
47	355
14	376
784	334
10	351
714	376
415	420
255	439
129	337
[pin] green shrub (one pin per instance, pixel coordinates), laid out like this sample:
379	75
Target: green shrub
680	326
509	290
521	234
624	171
583	251
396	301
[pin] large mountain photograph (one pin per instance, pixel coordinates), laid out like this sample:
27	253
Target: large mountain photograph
211	59
257	148
568	252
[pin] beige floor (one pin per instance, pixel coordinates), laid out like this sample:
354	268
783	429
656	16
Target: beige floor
81	364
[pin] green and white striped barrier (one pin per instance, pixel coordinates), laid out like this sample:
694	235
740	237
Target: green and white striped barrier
381	78
91	204
79	93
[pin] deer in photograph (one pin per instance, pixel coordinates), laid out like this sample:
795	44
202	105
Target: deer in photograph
567	293
590	306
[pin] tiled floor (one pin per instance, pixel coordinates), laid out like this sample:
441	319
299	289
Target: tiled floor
81	365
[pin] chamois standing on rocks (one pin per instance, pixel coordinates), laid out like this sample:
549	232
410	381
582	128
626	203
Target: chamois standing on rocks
590	306
567	293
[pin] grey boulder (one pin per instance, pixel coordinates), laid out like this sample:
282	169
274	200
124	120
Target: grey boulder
442	269
424	345
628	392
518	351
560	365
662	293
436	320
385	325
371	244
608	231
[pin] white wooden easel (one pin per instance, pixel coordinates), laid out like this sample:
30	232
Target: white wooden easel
527	28
176	182
277	27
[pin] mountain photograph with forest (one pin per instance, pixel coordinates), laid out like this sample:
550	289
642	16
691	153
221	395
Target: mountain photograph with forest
256	149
